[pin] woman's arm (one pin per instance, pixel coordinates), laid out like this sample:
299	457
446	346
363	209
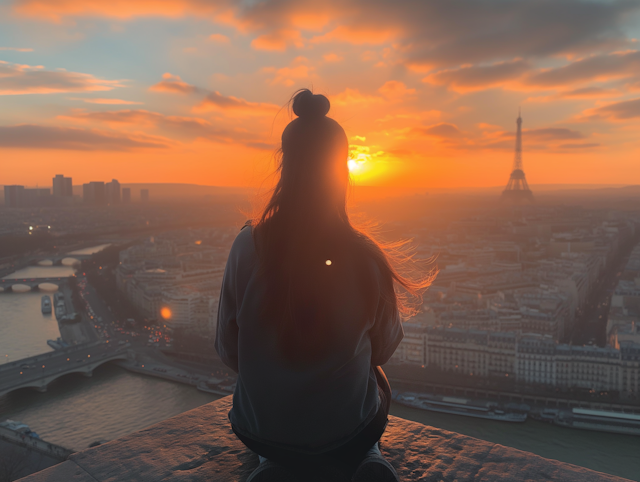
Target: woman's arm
227	328
386	334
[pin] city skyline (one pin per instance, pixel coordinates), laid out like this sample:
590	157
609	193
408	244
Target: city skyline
426	103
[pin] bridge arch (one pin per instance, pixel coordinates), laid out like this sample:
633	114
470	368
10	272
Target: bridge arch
43	382
47	286
20	288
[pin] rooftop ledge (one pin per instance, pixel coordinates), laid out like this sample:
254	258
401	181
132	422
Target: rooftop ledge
199	445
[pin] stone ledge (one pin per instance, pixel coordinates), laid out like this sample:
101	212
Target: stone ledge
199	445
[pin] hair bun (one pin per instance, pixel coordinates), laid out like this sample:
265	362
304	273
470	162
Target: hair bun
306	104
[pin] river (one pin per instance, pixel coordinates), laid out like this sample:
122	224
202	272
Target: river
76	411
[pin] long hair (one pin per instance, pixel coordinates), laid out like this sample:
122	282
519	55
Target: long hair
305	240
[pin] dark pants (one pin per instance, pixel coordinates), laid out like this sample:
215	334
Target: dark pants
347	456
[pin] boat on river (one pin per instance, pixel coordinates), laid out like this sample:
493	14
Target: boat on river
459	406
599	420
45	304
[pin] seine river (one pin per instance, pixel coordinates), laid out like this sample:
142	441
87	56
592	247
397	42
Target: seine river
76	411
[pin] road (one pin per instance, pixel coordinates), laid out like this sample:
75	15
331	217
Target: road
590	326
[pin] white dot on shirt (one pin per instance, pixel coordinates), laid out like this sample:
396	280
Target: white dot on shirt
328	262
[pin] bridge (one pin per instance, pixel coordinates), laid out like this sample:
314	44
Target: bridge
56	259
33	283
40	370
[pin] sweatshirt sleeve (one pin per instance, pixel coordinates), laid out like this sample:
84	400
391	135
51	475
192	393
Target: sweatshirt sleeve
386	333
226	343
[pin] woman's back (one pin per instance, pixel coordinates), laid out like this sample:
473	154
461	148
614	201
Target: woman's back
311	402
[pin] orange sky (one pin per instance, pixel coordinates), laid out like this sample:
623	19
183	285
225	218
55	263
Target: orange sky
428	91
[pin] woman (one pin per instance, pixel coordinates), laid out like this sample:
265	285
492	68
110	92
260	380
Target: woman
307	314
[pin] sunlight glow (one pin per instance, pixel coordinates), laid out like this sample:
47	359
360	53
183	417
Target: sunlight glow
165	313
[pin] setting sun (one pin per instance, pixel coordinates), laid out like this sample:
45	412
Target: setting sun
165	313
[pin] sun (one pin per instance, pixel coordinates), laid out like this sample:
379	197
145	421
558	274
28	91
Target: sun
358	164
165	313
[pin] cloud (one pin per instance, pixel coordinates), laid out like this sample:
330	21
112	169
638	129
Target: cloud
107	101
425	33
298	69
352	97
358	35
550	134
68	138
215	101
57	10
183	127
278	40
442	130
16	49
17	79
175	85
478	77
332	57
579	146
588	93
596	68
219	38
627	109
395	90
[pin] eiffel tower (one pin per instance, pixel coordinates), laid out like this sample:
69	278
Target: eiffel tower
517	190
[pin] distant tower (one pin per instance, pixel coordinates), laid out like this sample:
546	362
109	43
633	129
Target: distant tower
517	190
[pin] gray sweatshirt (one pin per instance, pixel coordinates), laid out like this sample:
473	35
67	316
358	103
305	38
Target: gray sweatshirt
310	410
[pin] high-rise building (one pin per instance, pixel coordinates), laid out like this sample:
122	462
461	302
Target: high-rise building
14	196
62	186
112	191
144	195
126	195
37	197
93	193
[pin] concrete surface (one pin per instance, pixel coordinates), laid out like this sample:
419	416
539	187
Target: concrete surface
199	445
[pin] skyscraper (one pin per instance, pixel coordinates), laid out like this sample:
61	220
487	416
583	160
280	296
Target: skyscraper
14	196
126	195
93	193
144	195
62	186
113	192
37	197
517	190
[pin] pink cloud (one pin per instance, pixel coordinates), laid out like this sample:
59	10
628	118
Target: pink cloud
395	90
175	126
107	101
616	111
69	138
479	77
173	84
219	38
442	130
17	79
16	49
279	40
215	101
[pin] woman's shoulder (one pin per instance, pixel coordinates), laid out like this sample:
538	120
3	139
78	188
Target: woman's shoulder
243	246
